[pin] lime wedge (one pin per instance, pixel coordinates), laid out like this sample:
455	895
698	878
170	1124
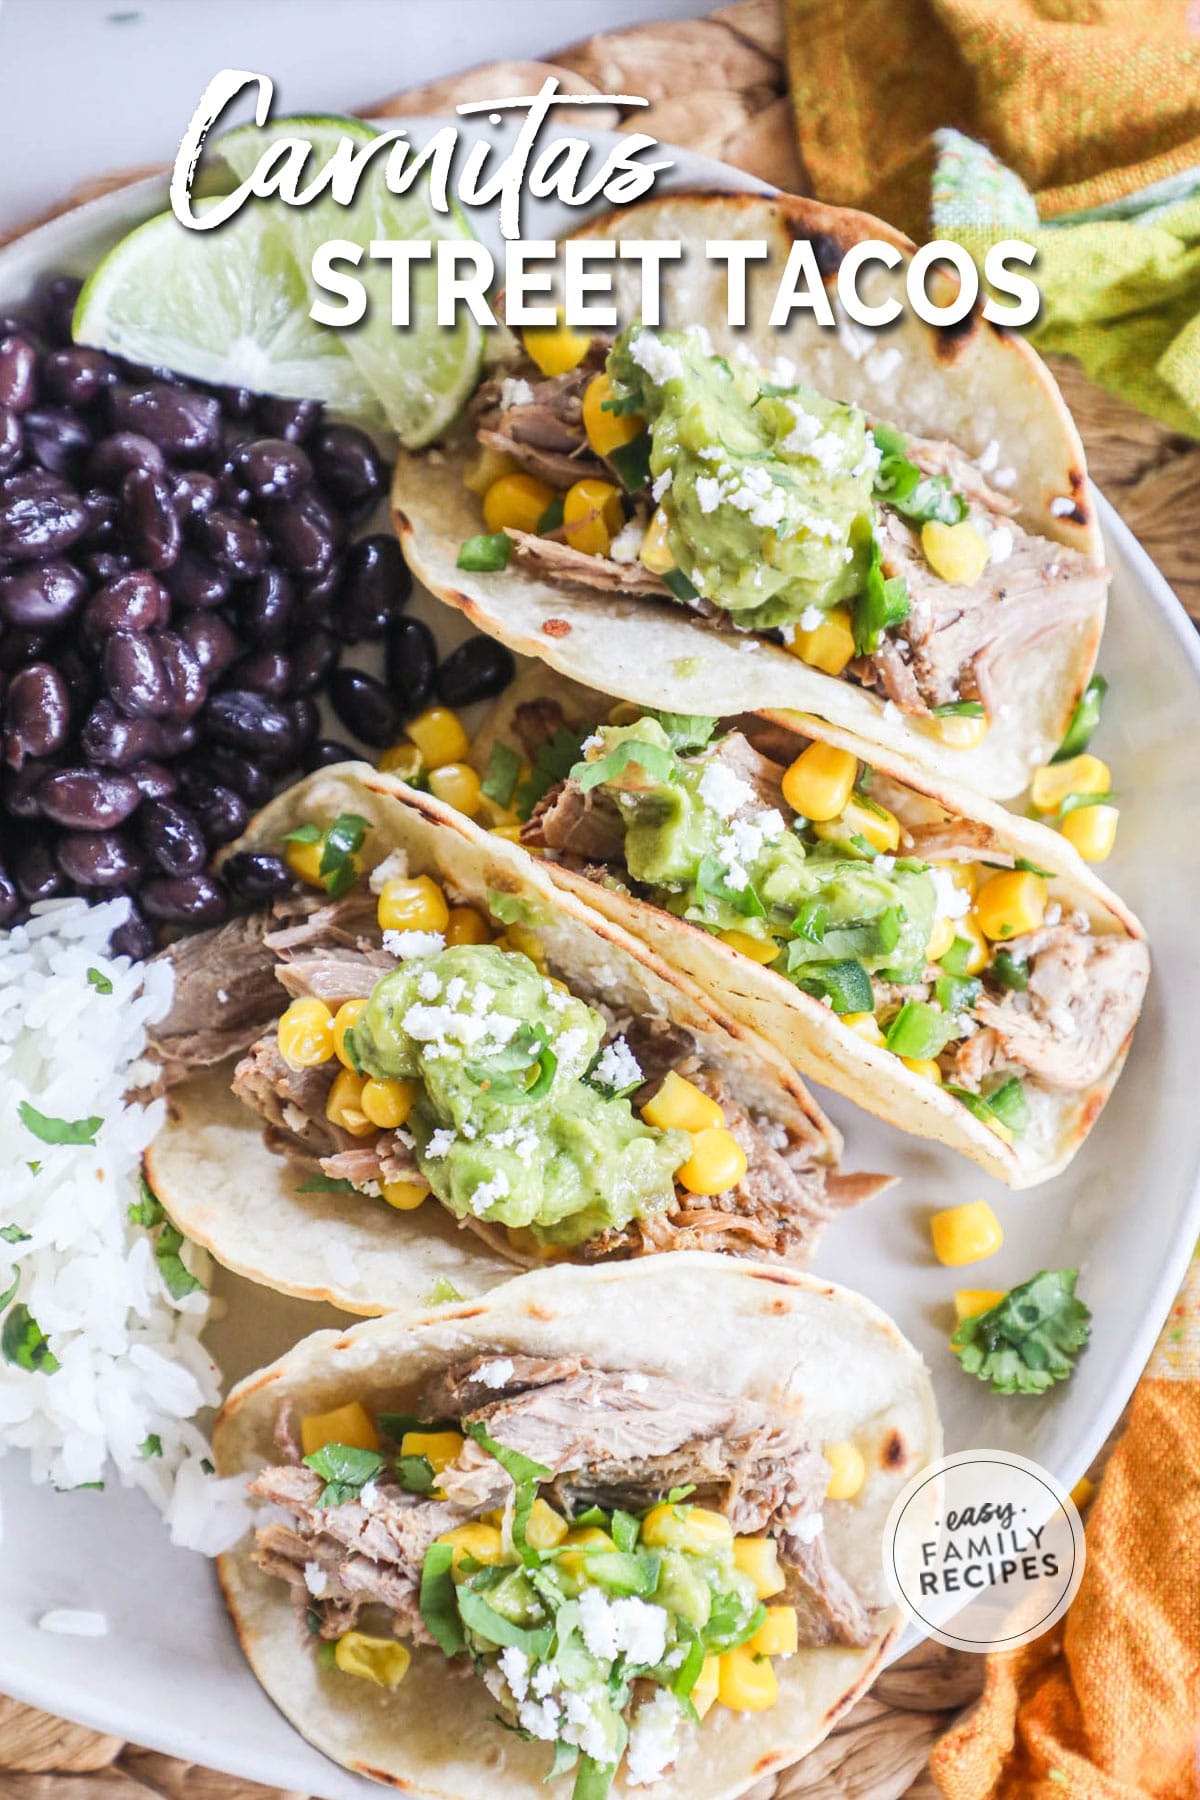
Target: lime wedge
226	306
420	374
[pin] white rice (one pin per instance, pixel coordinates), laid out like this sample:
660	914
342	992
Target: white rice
132	1372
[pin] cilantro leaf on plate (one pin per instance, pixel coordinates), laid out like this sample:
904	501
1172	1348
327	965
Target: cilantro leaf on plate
1030	1338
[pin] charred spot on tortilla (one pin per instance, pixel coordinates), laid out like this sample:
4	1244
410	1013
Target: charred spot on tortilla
950	342
556	628
892	1451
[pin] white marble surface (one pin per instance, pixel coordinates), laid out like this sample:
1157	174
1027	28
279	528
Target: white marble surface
93	85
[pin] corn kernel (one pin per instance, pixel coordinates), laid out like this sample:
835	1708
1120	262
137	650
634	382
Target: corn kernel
439	1448
979	954
745	1683
545	1528
964	875
345	1019
778	1635
958	553
655	552
344	1107
704	1694
457	784
847	1470
592	516
607	430
680	1105
965	1234
1084	774
482	1543
487	468
862	818
466	926
412	904
940	939
585	1541
304	859
527	942
925	1067
866	1026
694	1528
1010	904
516	503
440	736
346	1424
1083	1492
387	1103
1092	830
511	833
759	950
402	760
350	1424
305	1034
758	1557
960	731
820	781
405	1196
829	646
970	1302
557	348
717	1162
377	1659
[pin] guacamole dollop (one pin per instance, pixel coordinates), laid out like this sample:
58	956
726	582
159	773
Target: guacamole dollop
505	1126
694	836
766	486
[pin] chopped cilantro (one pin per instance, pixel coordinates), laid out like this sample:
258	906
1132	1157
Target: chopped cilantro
551	764
685	731
343	840
442	1291
147	1210
528	1049
23	1343
901	485
415	1474
1030	1338
1010	971
1084	720
439	1601
59	1131
12	1234
525	1475
327	1184
484	1621
882	604
658	763
551	519
177	1279
99	981
345	1470
151	1446
712	877
500	777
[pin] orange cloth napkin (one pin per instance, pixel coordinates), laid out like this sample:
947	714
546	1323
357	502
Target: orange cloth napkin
1088	100
1107	1705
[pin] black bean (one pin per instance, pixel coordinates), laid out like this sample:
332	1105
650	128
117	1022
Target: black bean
306	719
135	937
303	531
19	646
348	465
290	419
78	666
365	706
134	602
477	669
99	859
105	565
185	899
37	873
242	720
155	781
234	543
316	600
376	584
19	789
10	899
271	468
326	751
18	371
194	492
189	683
245	774
54	305
56	439
236	403
312	658
222	813
40	515
254	876
37	713
120	451
193	581
43	595
88	799
103	518
135	676
213	641
152	525
12	439
182	424
411	661
78	376
171	837
232	492
264	671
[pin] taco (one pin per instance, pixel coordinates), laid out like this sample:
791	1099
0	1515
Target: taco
892	530
621	1521
448	1067
956	969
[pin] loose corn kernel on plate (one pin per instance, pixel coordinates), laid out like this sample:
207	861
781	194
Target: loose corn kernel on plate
1126	1213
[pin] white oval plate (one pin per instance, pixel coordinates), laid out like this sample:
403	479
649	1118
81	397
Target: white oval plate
169	1674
